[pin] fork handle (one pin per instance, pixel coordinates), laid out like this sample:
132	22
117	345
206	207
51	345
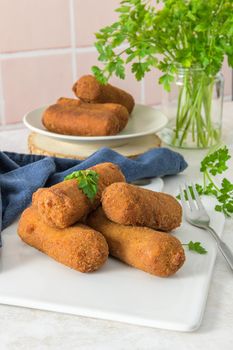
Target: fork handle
224	249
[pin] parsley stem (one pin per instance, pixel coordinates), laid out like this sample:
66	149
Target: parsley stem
210	179
204	180
194	110
219	8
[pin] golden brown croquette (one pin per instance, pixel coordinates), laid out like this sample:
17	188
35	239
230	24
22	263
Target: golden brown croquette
69	119
63	204
118	110
88	89
79	246
158	253
131	205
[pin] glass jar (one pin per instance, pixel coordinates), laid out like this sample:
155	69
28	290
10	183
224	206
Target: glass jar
194	109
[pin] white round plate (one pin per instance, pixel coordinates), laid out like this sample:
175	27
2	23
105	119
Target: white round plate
143	121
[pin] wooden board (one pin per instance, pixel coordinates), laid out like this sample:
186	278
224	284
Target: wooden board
43	145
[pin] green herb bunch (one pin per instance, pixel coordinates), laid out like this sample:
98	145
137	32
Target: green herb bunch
182	33
87	181
185	38
213	166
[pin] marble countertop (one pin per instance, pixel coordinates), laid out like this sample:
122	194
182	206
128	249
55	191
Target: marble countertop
27	329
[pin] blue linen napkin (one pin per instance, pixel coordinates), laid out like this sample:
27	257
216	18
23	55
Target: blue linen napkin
22	174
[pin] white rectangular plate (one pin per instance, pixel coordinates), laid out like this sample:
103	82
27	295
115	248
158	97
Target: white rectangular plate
117	292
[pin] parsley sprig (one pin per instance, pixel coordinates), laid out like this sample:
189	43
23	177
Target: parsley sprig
189	38
196	247
87	181
213	165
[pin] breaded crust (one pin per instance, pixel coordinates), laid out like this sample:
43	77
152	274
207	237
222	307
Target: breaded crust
79	247
158	253
64	204
69	119
131	205
118	110
88	89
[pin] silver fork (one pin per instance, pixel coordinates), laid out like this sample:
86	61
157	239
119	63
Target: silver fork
196	215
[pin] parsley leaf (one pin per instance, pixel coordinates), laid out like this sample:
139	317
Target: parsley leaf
87	181
196	247
215	162
225	198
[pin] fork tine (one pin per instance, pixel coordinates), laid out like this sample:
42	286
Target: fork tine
183	201
197	198
190	200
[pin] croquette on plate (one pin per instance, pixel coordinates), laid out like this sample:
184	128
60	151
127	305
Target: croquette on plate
79	247
69	119
118	110
131	205
158	253
63	204
88	89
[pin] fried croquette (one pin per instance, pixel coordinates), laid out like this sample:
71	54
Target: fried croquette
69	101
118	110
88	89
69	119
131	205
158	253
64	204
79	246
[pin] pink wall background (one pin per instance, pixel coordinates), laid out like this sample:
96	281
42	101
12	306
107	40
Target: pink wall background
45	45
